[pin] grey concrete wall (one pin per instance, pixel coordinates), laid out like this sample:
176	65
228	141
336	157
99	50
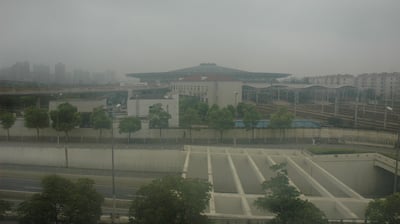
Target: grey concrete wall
358	172
263	166
304	186
228	205
198	166
32	155
321	178
222	174
247	175
136	160
358	207
328	207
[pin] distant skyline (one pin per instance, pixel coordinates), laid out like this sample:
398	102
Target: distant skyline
308	37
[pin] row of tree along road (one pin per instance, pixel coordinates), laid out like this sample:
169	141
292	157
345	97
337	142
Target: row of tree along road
193	113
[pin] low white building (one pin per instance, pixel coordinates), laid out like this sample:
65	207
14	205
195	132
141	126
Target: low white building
211	89
140	107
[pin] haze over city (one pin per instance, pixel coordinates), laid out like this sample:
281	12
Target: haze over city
301	38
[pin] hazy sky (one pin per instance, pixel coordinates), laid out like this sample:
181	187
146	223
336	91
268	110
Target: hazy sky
304	37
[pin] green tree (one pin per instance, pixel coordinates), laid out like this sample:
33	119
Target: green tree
220	120
36	118
171	199
282	119
62	201
384	210
100	120
28	101
65	118
241	108
186	102
283	200
250	118
232	109
190	118
4	206
158	117
202	110
129	125
7	121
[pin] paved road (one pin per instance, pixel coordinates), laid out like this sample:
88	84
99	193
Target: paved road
27	178
33	185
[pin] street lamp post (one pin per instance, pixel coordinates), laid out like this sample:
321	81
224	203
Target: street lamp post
356	110
58	127
397	145
112	163
58	120
397	163
385	116
296	99
236	94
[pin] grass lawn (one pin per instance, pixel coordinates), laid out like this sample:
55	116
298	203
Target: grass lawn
317	150
323	151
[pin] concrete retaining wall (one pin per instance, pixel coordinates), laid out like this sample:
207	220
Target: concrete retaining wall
358	172
133	160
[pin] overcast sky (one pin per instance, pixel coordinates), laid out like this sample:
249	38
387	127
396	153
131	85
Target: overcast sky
307	37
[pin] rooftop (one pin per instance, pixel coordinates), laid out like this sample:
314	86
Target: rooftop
205	78
208	69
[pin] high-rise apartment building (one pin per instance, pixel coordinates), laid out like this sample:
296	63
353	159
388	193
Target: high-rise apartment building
332	80
386	85
60	76
81	77
41	74
20	71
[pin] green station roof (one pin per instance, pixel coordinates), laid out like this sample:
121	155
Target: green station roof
208	69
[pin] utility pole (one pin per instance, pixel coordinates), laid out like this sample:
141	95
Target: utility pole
112	164
296	99
356	110
397	163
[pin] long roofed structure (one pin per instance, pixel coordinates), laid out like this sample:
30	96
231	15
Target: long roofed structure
208	69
